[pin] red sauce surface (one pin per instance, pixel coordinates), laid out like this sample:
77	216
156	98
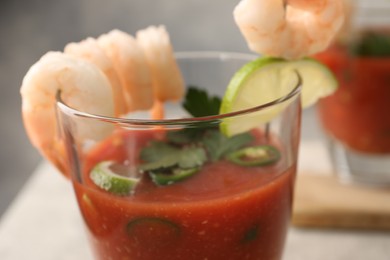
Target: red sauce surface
225	211
358	114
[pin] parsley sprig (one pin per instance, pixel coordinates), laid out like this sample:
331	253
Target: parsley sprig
185	151
213	146
218	145
199	103
161	155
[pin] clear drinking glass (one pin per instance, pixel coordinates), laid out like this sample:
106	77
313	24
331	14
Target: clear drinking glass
356	118
225	210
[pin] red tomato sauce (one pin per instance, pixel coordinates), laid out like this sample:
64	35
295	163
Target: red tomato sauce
225	211
358	114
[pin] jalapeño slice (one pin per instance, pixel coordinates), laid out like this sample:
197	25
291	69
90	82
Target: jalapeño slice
154	230
259	155
172	175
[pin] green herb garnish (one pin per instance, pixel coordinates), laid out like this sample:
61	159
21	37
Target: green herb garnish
160	155
186	136
198	103
185	151
218	145
260	155
156	150
167	164
372	44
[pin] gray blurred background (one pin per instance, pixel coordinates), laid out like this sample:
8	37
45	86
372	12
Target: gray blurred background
30	28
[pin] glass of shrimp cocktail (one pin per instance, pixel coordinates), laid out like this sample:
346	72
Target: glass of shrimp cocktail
356	118
197	184
186	156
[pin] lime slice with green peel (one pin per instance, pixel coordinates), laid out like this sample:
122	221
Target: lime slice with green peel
318	81
268	79
106	175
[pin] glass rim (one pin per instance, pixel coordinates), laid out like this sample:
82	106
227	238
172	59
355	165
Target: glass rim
63	107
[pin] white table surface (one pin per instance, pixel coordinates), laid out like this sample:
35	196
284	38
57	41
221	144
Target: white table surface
43	223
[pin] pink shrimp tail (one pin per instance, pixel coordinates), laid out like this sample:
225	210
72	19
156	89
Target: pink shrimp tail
158	112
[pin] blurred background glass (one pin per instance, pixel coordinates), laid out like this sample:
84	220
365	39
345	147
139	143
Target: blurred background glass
356	118
30	28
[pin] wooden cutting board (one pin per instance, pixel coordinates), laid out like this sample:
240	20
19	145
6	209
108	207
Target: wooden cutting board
321	201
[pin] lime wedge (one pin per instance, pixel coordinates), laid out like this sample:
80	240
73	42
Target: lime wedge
267	79
318	80
106	175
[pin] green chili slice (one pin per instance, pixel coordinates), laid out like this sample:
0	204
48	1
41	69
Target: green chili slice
251	235
173	175
260	155
155	231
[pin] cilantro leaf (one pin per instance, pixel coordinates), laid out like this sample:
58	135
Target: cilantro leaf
372	44
159	155
218	145
198	103
191	157
238	141
212	143
185	136
186	150
155	149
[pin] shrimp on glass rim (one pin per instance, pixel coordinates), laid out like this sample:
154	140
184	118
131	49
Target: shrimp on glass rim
132	68
90	50
82	85
112	75
290	29
168	83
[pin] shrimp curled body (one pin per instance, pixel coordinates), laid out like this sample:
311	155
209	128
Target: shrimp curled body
168	83
131	66
114	74
290	29
90	50
83	86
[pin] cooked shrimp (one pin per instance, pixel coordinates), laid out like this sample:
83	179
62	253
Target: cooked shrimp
83	86
289	28
90	50
131	66
168	83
